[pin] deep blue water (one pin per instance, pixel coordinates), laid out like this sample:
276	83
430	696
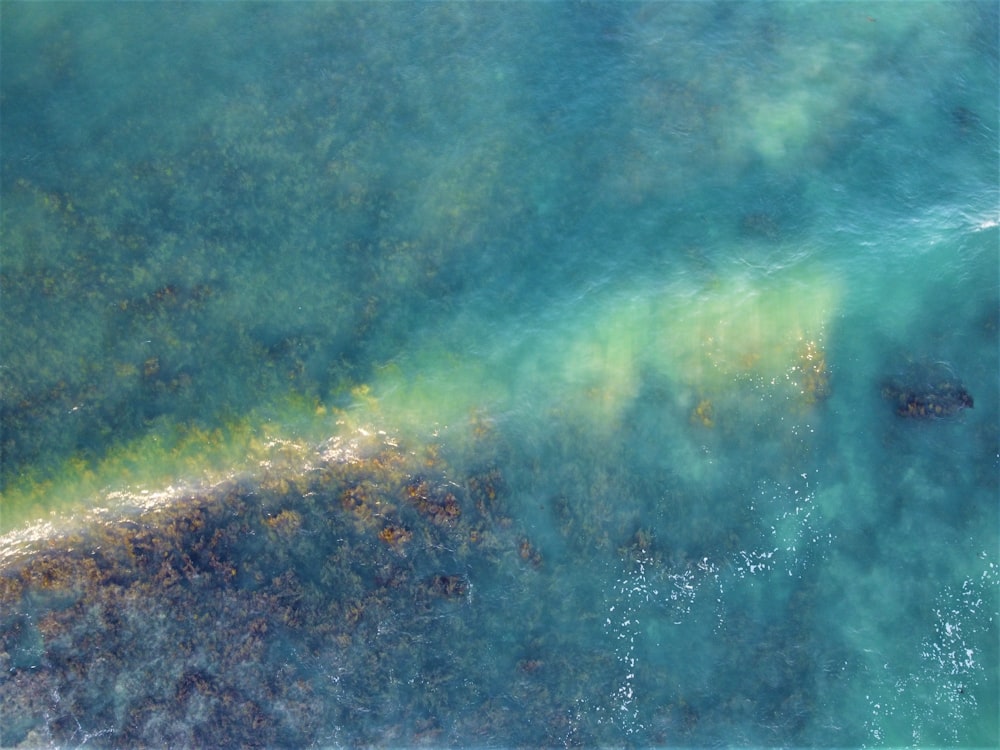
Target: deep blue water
682	260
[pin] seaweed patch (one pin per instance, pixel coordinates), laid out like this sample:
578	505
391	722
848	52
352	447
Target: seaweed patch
928	392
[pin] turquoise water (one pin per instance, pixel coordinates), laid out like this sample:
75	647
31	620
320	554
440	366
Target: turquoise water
656	266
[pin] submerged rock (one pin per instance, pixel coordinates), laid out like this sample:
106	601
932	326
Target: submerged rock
261	613
927	392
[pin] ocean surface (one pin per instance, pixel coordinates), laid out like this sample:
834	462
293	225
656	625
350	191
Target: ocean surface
494	374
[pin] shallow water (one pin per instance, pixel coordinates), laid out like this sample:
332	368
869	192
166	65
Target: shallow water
664	272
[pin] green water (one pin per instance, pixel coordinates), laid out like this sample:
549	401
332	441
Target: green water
653	264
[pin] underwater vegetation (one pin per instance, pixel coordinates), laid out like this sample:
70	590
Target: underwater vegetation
927	392
372	591
277	612
813	376
132	270
618	259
